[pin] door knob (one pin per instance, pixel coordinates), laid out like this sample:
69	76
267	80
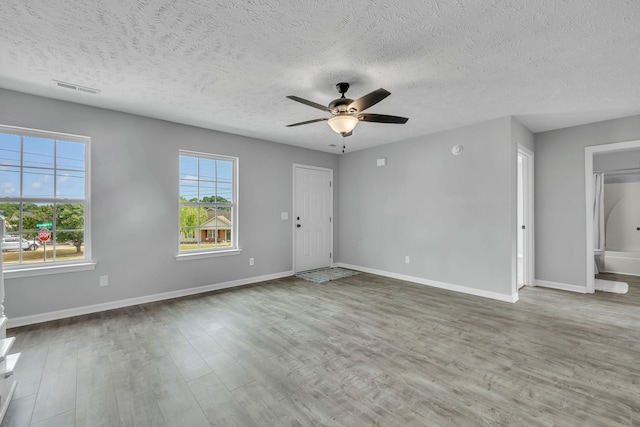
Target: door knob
298	225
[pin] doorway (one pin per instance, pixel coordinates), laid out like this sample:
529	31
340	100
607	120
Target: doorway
589	201
525	244
312	217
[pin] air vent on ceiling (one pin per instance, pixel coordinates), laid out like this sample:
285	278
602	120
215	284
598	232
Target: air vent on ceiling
77	88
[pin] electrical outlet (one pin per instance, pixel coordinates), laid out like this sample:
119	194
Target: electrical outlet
104	280
251	261
407	259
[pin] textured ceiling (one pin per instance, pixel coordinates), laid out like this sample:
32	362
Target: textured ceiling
228	65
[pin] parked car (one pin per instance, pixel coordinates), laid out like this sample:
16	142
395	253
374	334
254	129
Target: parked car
14	243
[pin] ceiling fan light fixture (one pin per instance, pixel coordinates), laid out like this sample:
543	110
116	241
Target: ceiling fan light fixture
347	112
343	123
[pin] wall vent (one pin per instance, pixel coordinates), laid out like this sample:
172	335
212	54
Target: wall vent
77	88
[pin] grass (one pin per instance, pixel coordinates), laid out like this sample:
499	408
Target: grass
194	246
63	253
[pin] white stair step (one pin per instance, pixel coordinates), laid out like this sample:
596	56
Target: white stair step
5	346
12	361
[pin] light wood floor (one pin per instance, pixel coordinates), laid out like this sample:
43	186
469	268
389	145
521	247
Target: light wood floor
359	351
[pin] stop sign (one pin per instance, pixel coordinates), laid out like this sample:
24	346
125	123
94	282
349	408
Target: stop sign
44	234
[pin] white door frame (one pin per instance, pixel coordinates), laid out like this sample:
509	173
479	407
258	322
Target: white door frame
293	221
528	207
588	187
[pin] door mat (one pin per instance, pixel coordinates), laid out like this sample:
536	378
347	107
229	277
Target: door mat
326	274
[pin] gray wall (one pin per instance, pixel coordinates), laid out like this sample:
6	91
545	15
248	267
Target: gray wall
453	215
622	159
521	135
560	199
134	216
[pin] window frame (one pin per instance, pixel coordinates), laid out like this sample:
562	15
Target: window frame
22	269
234	248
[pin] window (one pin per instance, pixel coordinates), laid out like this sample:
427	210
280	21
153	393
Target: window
44	197
208	203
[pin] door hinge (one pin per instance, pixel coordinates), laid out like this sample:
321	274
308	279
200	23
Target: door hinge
330	219
330	184
329	254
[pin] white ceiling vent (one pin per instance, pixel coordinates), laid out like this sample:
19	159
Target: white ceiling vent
77	88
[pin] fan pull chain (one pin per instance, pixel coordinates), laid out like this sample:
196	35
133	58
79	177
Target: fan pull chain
343	145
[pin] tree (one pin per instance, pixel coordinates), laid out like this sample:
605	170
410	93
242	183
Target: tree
217	199
214	199
11	213
32	215
189	218
70	217
9	209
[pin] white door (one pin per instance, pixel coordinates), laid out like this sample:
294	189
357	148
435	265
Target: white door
522	235
525	218
312	217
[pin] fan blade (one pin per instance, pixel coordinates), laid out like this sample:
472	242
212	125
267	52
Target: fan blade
381	118
309	103
368	100
307	122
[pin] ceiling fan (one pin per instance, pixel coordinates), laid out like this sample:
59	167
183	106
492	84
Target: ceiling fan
347	112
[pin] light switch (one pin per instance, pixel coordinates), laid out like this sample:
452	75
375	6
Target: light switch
284	215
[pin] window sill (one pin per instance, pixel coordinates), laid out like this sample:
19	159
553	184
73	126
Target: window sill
49	269
212	254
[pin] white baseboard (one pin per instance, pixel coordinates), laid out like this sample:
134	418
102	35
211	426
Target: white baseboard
63	314
622	272
561	286
434	283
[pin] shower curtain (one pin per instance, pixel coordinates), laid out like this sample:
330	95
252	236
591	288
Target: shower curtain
598	221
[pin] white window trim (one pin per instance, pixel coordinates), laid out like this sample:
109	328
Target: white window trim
235	238
37	269
185	256
30	271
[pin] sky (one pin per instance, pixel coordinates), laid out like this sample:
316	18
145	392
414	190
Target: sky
205	177
51	168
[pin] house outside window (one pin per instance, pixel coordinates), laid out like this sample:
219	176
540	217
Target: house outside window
44	197
207	203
